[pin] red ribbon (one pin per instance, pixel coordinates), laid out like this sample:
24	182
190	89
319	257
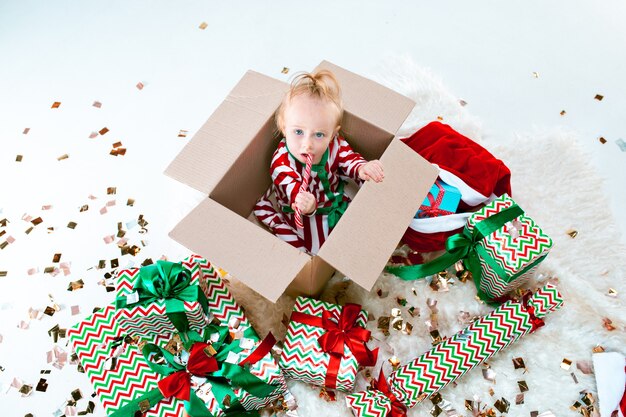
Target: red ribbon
340	332
398	409
535	321
261	350
433	210
178	384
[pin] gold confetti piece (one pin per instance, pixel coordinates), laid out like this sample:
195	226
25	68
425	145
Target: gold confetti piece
76	285
56	105
602	140
502	405
608	324
130	202
435	337
26	130
182	133
435	411
490	375
49	311
97	104
518	363
103	131
37	221
599	97
563	112
463	103
394	361
439	118
118	151
3	273
522	385
535	74
203	25
436	398
565	364
139	86
111	190
84	208
42	385
574	377
4	245
93	135
414	311
114	263
56	258
381	293
612	293
572	233
18	158
285	70
71	225
62	157
519	399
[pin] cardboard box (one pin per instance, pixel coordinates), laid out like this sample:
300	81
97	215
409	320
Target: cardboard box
229	159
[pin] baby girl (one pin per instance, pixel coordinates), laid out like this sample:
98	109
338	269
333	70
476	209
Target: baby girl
309	120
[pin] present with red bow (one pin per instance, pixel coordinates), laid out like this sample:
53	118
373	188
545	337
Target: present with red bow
424	376
442	199
326	343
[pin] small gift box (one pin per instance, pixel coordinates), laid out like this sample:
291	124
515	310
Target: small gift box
326	343
442	199
128	372
499	245
162	298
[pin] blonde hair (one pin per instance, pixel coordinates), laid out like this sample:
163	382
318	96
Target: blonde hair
321	84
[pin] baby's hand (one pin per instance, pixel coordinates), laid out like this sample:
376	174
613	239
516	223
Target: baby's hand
373	170
306	202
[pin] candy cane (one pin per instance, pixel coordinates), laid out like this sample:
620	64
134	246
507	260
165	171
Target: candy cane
305	185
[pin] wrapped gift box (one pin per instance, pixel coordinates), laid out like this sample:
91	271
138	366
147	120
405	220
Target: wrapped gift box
120	373
442	199
509	255
307	357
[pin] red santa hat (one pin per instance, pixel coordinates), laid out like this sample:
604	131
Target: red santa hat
464	164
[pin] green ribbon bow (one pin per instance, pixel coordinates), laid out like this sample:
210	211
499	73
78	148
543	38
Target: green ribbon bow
221	381
170	282
464	245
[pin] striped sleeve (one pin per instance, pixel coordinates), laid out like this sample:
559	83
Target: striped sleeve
349	160
285	179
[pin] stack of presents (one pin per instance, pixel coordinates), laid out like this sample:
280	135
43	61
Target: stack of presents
175	342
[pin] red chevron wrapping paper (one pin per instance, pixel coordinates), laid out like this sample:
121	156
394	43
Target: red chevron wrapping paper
152	319
120	374
452	358
303	358
517	248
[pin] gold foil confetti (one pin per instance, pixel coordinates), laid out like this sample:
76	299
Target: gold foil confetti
574	377
56	258
18	158
599	97
111	190
608	324
182	133
502	405
522	385
572	233
139	86
62	157
3	273
103	131
602	140
519	399
394	361
489	374
26	130
440	118
97	104
518	363
612	293
414	311
565	364
71	225
93	135
84	208
37	221
435	411
436	398
285	70
203	25
381	293
435	337
535	74
463	103
56	105
563	112
75	285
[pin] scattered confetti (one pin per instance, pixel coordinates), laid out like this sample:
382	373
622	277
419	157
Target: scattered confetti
56	258
574	377
97	104
502	405
563	112
612	293
103	131
608	324
463	103
285	70
203	25
535	74
381	293
602	140
394	361
18	158
622	145
130	202
56	105
26	130
139	86
489	374
522	385
599	97
565	364
182	133
518	363
75	285
519	399
3	274
93	135
71	225
572	233
62	157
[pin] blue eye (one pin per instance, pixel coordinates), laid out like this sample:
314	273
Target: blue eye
319	135
298	132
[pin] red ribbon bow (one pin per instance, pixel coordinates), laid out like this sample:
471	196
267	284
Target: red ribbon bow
340	332
178	384
535	321
398	409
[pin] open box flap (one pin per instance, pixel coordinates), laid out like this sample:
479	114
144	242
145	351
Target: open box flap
249	253
374	222
219	142
370	101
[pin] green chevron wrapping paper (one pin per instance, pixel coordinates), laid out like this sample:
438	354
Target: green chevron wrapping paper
119	372
511	253
452	358
304	359
154	316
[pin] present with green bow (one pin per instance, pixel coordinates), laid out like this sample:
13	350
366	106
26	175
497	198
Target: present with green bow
161	298
499	245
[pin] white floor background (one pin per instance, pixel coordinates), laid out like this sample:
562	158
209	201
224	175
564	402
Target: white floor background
76	53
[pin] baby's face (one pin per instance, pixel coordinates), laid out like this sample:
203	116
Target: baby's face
310	125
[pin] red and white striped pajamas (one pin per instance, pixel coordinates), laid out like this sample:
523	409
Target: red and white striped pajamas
327	181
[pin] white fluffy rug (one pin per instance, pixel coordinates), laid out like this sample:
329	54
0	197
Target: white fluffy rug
554	183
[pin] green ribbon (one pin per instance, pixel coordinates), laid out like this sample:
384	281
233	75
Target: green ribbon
220	386
464	245
338	206
170	282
